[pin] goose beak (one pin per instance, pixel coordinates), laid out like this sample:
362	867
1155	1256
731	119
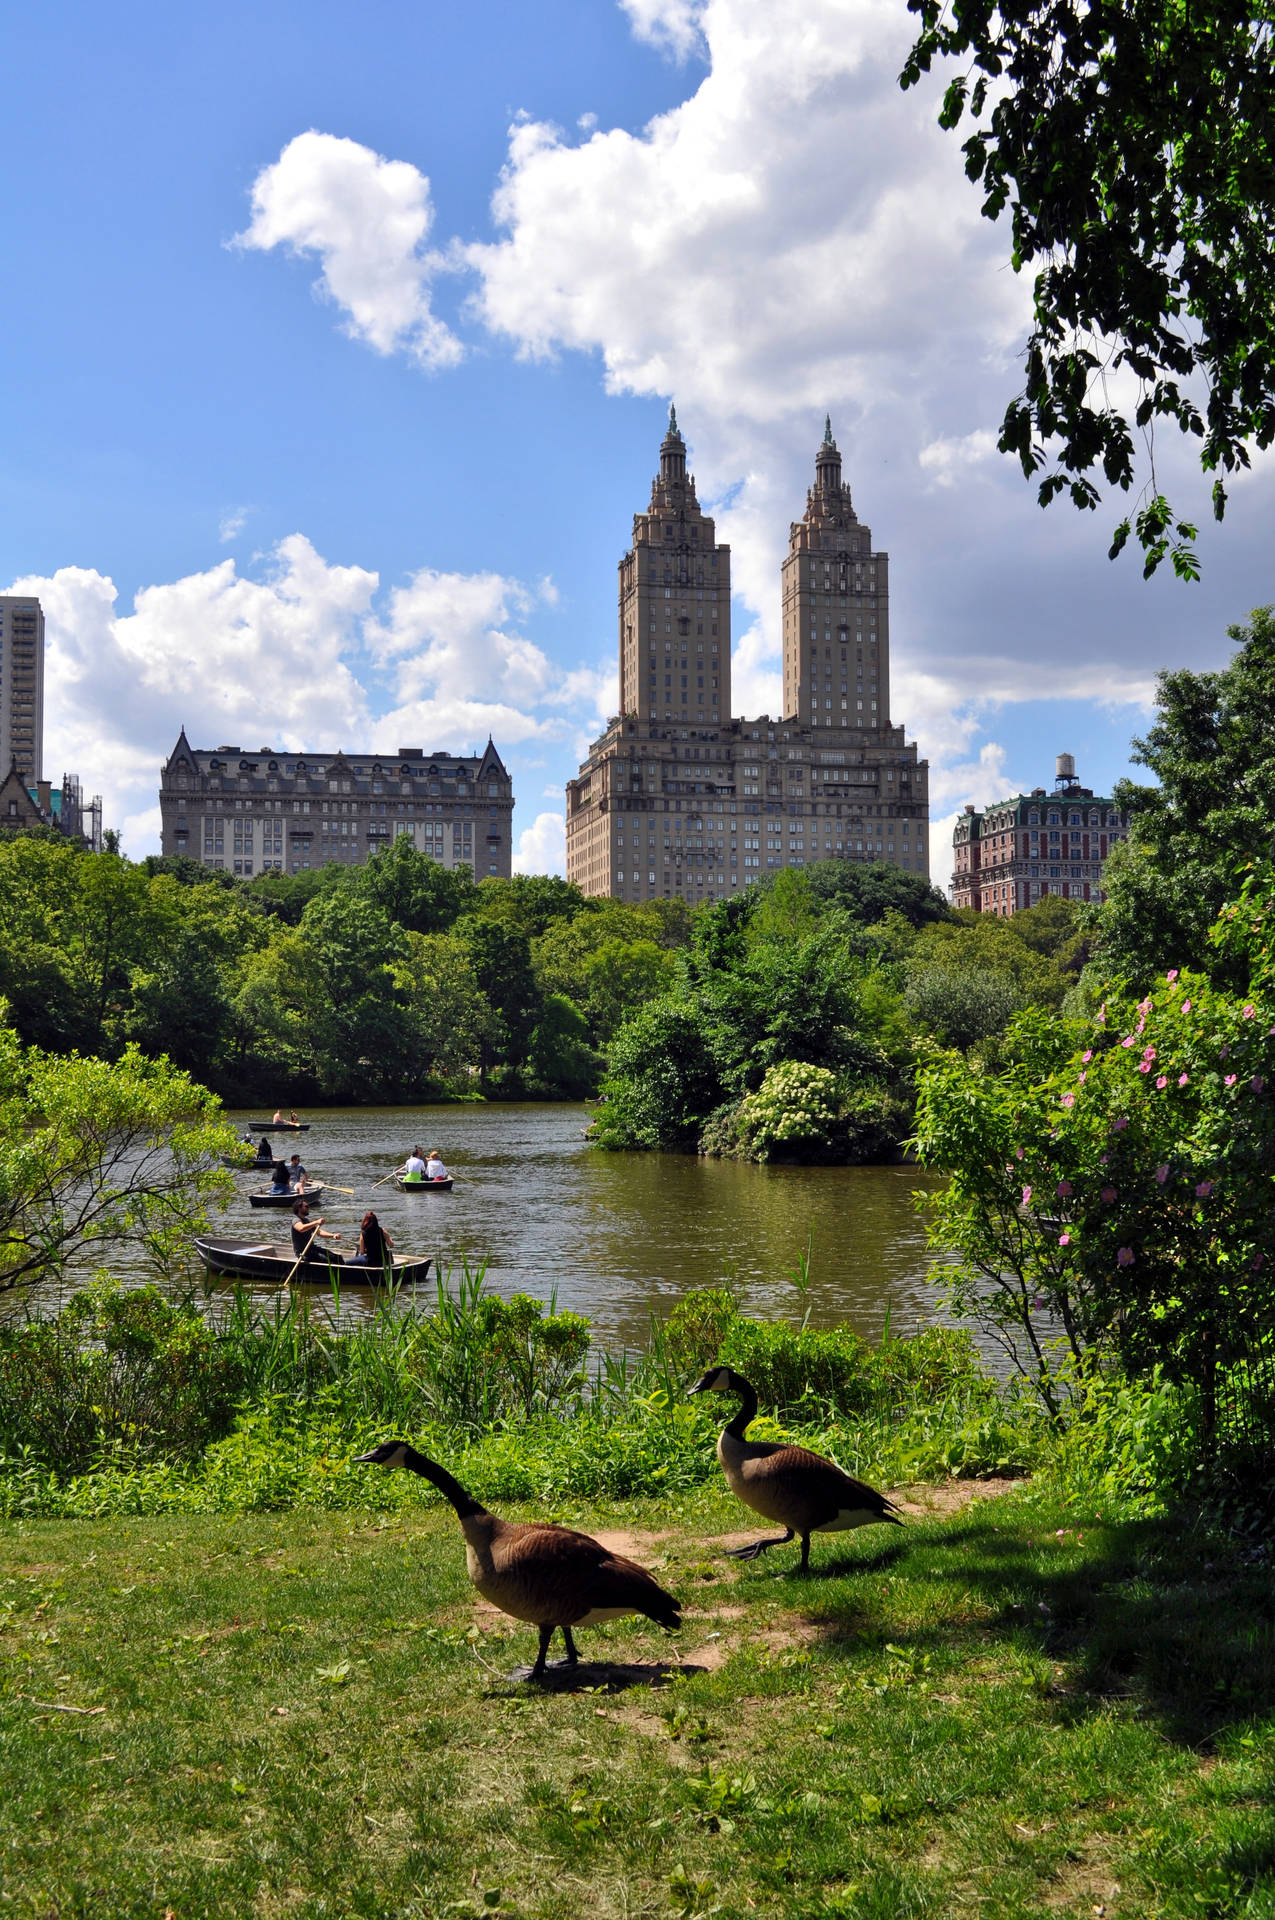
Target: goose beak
365	1460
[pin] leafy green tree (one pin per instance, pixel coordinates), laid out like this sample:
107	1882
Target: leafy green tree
530	902
868	891
960	1005
109	924
94	1152
1134	143
500	955
608	963
1212	751
417	893
662	1079
983	944
560	1061
452	1022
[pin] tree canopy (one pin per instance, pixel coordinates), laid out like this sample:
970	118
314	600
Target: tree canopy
1133	142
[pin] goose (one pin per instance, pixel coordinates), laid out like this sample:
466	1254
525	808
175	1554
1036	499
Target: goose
550	1576
799	1490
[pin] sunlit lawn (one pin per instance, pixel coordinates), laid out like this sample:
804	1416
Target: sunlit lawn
305	1714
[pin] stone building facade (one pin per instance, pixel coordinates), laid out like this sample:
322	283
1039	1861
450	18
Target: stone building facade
27	807
678	799
22	686
1015	853
250	813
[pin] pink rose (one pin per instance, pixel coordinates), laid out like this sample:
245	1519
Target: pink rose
1064	1239
1144	1006
1144	1066
1248	1013
1183	1078
1068	1100
1161	1175
1186	1006
1148	1053
1231	1079
1171	975
1018	1153
1127	1043
1204	1189
1124	1256
1162	1082
1027	1194
1118	1126
1064	1188
1108	1194
1087	1055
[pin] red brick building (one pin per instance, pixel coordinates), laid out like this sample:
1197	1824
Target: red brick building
1014	853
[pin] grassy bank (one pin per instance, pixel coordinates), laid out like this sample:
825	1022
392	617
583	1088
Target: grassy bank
1005	1709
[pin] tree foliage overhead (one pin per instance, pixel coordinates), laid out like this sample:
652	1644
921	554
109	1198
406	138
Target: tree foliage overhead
1133	142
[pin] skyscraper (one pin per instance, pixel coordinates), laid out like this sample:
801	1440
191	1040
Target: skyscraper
22	687
679	800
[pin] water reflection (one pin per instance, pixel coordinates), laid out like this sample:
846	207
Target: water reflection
618	1236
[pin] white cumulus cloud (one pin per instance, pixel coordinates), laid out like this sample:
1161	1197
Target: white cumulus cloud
366	218
671	25
542	848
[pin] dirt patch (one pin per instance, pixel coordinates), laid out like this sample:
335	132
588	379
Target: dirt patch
631	1545
950	1496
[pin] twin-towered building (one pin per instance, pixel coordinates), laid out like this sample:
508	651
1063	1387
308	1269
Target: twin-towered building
1014	854
680	800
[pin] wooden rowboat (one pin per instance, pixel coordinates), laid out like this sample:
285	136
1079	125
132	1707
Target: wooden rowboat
278	1126
268	1197
268	1262
423	1186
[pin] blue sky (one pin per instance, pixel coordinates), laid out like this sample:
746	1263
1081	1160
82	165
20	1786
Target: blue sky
361	475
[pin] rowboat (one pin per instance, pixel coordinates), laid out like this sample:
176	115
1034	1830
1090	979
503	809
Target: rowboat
423	1186
278	1126
243	1166
270	1197
268	1262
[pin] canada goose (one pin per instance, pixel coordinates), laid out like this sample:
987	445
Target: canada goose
548	1575
798	1489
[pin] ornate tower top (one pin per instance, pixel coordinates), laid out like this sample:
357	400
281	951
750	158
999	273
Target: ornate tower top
828	464
673	453
827	430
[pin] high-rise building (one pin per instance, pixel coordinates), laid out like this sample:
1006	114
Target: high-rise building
1014	853
677	799
22	686
269	811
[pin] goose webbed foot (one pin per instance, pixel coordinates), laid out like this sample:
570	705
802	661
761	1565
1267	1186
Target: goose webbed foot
756	1548
538	1671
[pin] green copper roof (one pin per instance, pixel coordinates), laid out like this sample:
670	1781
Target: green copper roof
828	440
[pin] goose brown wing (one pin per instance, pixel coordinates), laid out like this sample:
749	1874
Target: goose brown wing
818	1488
578	1575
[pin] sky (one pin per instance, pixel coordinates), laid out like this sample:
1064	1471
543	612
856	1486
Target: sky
338	346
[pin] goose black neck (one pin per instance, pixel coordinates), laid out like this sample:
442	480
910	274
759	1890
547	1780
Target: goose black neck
451	1490
746	1413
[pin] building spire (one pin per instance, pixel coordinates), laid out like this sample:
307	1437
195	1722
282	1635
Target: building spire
828	440
673	433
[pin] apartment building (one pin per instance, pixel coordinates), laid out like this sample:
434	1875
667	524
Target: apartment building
22	687
1013	854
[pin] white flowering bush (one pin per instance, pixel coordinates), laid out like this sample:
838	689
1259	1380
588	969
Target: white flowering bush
795	1113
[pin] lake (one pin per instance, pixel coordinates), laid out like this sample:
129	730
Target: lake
618	1236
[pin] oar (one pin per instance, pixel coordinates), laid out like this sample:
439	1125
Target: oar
287	1278
381	1183
329	1188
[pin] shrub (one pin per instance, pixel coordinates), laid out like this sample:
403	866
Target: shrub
810	1115
115	1369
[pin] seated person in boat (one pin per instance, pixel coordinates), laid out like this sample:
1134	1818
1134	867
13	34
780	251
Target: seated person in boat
375	1249
277	1117
434	1168
297	1173
264	1149
279	1181
307	1233
413	1168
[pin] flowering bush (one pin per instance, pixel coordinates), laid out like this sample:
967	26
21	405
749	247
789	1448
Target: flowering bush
793	1113
1120	1198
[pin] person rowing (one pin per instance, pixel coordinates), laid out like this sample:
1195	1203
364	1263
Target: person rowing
297	1174
413	1168
278	1119
307	1233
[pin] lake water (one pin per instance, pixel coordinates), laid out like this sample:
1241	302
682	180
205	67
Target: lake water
618	1236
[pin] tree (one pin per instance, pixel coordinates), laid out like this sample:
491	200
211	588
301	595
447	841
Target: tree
500	956
419	894
452	1022
1134	143
661	1080
868	891
1212	751
560	1060
530	902
94	1152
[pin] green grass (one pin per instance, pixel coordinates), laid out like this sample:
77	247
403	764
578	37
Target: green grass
304	1714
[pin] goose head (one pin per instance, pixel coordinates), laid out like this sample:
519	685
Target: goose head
391	1453
722	1380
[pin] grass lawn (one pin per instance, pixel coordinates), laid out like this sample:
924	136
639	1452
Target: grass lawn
308	1714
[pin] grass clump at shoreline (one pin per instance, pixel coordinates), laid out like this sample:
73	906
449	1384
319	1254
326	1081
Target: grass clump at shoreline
1007	1709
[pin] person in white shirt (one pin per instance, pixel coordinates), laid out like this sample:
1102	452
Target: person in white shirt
413	1168
434	1168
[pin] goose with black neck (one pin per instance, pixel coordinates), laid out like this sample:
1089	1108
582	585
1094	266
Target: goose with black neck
549	1576
797	1489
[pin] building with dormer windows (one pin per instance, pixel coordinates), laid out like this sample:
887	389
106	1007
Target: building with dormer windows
250	813
1015	853
677	799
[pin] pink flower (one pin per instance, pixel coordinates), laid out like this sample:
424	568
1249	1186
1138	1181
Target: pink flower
1258	1261
1162	1082
1144	1066
1161	1175
1101	1018
1027	1194
1183	1078
1186	1006
1108	1194
1148	1053
1064	1188
1118	1126
1064	1239
1144	1006
1223	1053
1248	1012
1231	1079
1082	1079
1087	1055
1141	1024
1257	1083
1129	1042
1171	975
1204	1189
1124	1256
1102	1159
1038	1303
1018	1153
1068	1100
